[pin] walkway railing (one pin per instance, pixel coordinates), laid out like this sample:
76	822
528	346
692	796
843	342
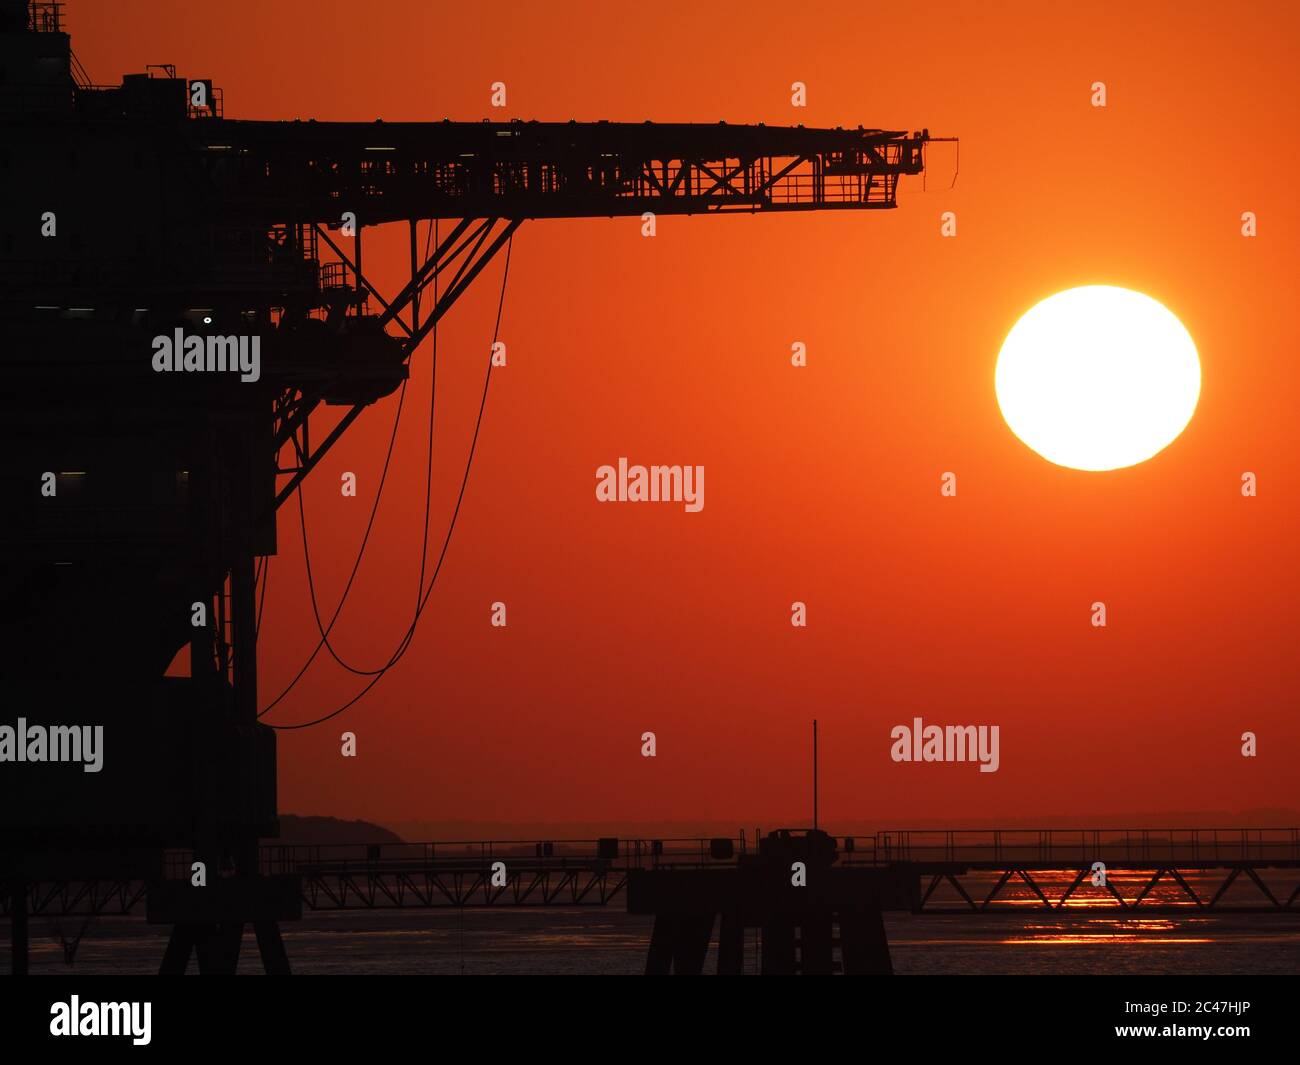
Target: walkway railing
976	847
1114	846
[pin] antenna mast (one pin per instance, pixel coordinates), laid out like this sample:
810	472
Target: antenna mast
814	772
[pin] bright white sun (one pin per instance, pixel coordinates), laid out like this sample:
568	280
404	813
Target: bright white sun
1098	378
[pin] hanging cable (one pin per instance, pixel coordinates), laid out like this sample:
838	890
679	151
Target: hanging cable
383	475
451	527
324	631
428	496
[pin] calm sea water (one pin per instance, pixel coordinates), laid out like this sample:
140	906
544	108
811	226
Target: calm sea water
610	941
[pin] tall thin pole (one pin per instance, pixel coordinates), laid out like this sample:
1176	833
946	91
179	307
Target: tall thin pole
814	772
415	269
356	264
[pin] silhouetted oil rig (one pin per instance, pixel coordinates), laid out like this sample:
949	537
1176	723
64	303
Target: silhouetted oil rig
139	212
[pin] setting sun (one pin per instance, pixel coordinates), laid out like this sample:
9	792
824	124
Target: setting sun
1098	378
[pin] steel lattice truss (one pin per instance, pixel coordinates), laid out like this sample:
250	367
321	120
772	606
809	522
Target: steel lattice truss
347	890
976	900
91	898
452	266
392	171
353	889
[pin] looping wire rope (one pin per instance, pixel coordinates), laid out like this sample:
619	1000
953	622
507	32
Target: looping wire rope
423	593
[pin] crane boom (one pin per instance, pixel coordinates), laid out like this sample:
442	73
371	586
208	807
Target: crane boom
390	172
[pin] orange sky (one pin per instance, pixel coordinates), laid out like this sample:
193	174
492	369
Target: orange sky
823	482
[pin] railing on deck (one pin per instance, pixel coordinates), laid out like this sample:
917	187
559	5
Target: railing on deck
992	848
475	854
1076	845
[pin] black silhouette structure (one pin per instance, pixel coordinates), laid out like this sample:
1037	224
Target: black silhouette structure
793	891
693	886
174	309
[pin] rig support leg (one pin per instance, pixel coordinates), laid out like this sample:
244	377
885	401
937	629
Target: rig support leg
691	943
678	944
177	955
815	956
777	956
659	959
217	946
864	944
275	960
19	930
731	945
